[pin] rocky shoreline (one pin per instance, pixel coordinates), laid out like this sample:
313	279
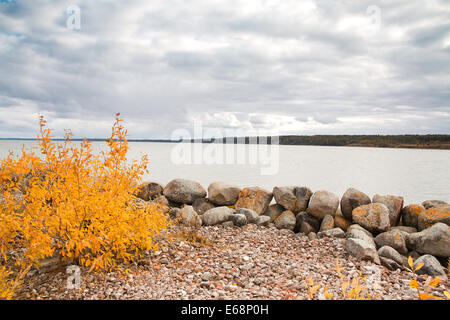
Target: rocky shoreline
381	229
261	244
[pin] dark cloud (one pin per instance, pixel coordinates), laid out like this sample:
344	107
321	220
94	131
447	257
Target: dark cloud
298	67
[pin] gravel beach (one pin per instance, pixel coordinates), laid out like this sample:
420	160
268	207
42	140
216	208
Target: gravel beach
235	263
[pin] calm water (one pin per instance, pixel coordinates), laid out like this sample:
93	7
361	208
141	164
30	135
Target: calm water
415	174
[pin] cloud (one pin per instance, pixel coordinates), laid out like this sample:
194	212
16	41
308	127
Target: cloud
296	67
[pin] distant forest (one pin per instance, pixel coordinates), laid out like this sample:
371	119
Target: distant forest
432	141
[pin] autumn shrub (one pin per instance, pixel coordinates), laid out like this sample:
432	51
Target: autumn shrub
69	201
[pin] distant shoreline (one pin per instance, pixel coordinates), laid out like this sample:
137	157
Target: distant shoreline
432	141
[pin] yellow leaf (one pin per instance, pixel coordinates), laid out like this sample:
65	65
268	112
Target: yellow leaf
435	282
315	288
419	266
310	281
413	284
410	262
327	294
447	295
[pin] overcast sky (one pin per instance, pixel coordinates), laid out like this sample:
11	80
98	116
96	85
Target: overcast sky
297	67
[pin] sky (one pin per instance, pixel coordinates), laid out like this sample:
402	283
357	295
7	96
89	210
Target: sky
279	67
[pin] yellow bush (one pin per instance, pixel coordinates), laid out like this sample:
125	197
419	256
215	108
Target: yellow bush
76	204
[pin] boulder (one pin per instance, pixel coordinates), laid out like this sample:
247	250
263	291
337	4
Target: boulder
161	201
332	233
394	204
394	239
184	191
327	223
355	233
254	198
223	194
410	215
391	253
217	215
251	215
263	221
286	220
310	223
239	220
341	222
362	250
439	213
292	198
434	240
373	217
389	264
352	199
189	217
273	211
322	203
149	190
201	205
431	266
432	203
405	229
358	227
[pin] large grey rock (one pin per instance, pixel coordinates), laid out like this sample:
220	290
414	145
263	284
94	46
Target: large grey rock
394	204
355	233
439	213
286	220
431	266
389	263
373	217
358	227
434	240
189	217
352	199
239	220
254	198
201	205
432	203
327	223
322	203
149	190
391	253
223	194
392	238
362	250
263	221
217	215
332	233
410	215
310	223
251	215
292	198
184	191
273	211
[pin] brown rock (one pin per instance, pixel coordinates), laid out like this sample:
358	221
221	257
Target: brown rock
322	203
352	199
254	198
201	205
184	191
223	194
149	191
292	198
373	217
410	215
439	213
394	204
